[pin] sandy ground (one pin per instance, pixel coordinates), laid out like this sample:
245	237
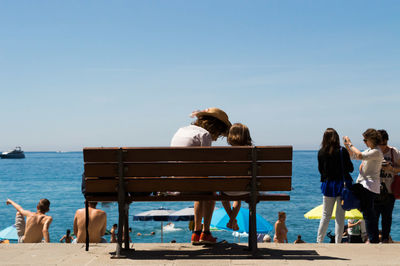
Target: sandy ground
186	254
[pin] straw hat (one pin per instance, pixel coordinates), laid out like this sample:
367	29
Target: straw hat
214	112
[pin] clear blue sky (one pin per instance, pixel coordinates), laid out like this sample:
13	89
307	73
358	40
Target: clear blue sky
129	73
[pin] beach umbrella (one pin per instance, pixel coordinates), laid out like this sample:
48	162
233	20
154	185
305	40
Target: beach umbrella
316	213
186	214
9	233
220	219
160	215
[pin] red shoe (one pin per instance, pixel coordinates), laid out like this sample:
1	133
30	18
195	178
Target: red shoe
195	239
207	239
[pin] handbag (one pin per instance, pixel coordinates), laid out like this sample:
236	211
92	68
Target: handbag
349	200
395	187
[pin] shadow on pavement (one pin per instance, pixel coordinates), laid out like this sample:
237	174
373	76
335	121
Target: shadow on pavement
223	252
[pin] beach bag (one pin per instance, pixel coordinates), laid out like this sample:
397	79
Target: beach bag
384	196
396	186
349	200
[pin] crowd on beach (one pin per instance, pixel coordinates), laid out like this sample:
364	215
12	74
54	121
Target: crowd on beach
380	164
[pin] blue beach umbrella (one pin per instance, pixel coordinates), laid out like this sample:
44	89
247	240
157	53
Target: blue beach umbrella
220	219
9	233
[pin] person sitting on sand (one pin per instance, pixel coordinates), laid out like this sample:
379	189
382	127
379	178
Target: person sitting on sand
67	237
239	135
97	224
37	223
113	230
280	229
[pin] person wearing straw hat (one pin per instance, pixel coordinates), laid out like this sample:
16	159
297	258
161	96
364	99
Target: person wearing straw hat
210	124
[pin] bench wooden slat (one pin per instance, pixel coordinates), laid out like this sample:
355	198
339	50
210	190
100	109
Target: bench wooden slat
188	169
186	154
188	184
194	197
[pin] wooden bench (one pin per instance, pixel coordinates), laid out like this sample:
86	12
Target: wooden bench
125	174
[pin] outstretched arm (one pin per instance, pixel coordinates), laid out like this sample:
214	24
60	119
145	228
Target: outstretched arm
354	152
18	208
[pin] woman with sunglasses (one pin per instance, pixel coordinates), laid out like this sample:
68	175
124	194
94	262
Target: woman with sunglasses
368	178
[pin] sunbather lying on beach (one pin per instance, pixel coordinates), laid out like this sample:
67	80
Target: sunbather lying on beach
97	225
239	135
37	223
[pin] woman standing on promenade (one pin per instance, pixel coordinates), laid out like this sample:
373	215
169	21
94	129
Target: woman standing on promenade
211	123
330	163
384	204
368	178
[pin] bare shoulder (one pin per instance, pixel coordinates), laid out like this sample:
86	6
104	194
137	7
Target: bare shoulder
80	212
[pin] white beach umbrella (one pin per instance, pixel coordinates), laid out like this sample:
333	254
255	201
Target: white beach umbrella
186	214
160	214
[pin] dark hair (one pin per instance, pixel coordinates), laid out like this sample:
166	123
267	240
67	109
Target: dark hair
372	135
115	225
68	232
43	205
213	125
330	141
92	204
384	136
239	135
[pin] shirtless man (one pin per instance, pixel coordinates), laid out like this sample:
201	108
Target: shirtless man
113	234
280	229
37	223
97	224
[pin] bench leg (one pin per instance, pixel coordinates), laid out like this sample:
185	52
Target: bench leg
121	225
126	226
253	230
87	224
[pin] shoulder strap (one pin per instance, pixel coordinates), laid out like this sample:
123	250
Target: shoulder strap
392	157
341	163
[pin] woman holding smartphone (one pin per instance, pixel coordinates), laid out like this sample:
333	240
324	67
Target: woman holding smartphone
368	178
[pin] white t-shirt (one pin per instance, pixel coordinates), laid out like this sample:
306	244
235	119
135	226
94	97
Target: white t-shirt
387	177
369	176
191	136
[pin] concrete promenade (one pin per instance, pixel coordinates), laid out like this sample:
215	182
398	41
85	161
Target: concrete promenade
186	254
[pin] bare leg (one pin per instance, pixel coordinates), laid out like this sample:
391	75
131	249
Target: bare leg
208	210
227	207
235	210
198	214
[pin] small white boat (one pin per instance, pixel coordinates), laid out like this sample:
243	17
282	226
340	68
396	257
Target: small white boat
17	153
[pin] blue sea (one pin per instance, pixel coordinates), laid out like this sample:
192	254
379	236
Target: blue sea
57	177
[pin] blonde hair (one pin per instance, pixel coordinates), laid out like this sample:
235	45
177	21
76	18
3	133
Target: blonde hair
239	135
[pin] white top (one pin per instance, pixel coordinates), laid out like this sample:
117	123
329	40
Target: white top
369	176
387	176
191	136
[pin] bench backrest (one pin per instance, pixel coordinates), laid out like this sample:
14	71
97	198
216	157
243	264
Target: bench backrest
188	169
